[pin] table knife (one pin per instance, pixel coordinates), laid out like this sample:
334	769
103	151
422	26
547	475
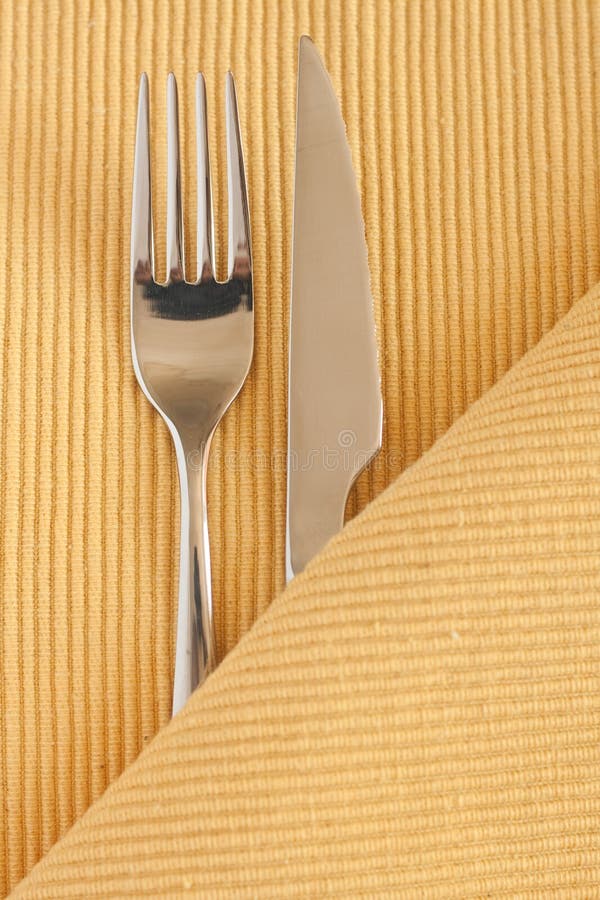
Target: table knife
334	401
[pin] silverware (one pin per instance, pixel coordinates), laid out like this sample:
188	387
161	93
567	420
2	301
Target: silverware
335	406
192	346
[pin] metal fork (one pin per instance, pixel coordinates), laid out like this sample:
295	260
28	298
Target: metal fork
192	346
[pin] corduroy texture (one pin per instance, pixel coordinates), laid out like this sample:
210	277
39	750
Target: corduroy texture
420	710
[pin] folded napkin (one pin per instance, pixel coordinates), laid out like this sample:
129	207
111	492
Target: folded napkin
417	714
419	710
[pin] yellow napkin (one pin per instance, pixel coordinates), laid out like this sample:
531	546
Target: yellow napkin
418	713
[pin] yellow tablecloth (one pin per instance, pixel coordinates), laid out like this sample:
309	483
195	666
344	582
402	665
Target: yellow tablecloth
418	714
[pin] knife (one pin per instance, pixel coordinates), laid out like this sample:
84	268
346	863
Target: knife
334	402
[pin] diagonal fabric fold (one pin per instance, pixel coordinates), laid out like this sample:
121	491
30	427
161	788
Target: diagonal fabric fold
418	713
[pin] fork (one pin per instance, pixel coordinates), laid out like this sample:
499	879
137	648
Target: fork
192	345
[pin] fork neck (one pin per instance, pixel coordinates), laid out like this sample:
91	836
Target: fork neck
195	449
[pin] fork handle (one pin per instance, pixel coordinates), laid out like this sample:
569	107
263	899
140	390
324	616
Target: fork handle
195	655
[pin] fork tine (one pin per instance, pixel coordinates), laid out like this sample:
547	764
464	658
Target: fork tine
206	263
142	243
239	228
175	271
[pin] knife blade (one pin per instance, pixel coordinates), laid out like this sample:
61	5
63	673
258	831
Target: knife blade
334	399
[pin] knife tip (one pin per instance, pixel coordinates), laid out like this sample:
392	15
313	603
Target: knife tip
305	43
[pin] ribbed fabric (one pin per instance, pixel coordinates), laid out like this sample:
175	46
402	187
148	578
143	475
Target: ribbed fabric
351	735
418	713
